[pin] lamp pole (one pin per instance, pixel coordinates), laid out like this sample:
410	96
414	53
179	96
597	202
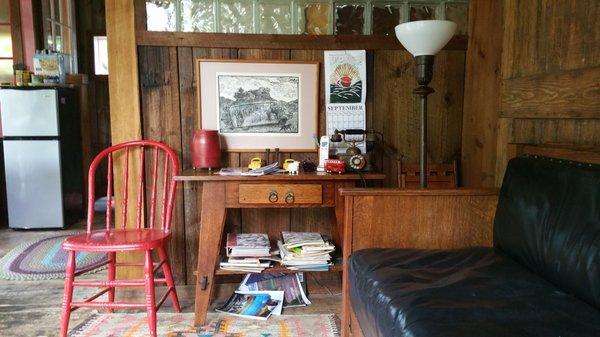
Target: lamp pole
424	73
424	39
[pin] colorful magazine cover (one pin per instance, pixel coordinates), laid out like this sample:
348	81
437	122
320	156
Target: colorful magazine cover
254	304
294	295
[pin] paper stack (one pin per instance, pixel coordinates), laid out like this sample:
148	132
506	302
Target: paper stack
244	252
261	171
305	251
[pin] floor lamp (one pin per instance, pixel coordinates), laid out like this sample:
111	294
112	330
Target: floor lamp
423	39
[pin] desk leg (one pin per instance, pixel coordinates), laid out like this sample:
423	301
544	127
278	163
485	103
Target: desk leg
212	223
346	251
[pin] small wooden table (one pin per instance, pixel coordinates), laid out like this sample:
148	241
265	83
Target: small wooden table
270	191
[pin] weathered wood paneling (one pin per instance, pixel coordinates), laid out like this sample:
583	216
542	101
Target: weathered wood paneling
395	109
566	94
545	36
90	16
165	70
565	131
190	120
161	121
481	103
550	68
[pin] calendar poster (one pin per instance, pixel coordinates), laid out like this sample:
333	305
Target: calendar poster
345	94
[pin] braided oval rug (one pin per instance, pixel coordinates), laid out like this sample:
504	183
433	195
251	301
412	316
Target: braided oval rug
44	259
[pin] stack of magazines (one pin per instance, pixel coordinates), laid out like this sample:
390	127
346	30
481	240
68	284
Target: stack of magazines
305	251
247	252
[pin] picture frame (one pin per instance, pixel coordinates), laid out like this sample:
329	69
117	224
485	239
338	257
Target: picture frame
259	104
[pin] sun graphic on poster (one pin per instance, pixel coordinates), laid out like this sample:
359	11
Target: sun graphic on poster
345	84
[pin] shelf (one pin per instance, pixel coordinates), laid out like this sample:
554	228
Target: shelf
274	41
336	267
277	269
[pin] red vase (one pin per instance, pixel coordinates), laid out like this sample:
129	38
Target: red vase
206	149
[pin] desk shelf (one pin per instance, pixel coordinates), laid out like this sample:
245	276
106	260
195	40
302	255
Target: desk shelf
336	267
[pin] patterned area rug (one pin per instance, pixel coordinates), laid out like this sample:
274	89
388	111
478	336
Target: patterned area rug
180	325
43	259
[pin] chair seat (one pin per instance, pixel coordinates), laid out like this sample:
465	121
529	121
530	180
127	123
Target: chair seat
116	240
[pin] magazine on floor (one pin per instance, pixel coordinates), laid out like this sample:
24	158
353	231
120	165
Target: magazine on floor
254	304
294	295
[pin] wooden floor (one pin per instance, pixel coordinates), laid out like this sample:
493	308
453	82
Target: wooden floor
32	308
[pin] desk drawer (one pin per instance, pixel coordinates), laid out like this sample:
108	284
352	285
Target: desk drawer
280	194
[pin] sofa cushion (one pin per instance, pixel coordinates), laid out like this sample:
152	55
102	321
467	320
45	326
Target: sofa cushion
467	292
548	219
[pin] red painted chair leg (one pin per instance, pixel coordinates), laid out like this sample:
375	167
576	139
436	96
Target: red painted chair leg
68	295
150	299
169	277
112	258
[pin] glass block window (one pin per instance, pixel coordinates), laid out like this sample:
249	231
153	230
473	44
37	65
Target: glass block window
314	17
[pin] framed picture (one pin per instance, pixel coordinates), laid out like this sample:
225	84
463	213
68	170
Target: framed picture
260	104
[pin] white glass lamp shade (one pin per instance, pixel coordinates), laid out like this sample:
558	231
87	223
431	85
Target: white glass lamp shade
426	37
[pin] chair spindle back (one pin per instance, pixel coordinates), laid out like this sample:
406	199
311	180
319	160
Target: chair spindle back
162	158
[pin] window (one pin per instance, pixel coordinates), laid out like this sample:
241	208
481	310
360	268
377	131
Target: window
100	55
6	51
59	30
315	17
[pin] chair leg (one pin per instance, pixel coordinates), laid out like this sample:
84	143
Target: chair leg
166	267
68	295
150	298
112	258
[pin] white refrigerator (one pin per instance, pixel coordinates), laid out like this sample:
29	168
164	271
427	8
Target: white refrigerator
42	156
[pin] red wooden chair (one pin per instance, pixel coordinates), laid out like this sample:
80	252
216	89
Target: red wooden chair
160	169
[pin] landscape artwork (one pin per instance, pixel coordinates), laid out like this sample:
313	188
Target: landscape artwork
258	103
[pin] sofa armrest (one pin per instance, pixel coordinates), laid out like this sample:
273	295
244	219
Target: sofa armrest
399	218
396	218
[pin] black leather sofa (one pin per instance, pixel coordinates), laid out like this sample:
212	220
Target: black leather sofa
541	278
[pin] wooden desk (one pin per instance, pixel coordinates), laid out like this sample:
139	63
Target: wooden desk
270	191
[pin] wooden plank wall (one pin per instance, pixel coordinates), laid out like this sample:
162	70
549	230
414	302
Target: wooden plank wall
539	81
482	102
167	85
90	16
550	74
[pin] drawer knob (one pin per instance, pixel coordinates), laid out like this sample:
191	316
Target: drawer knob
289	198
273	197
